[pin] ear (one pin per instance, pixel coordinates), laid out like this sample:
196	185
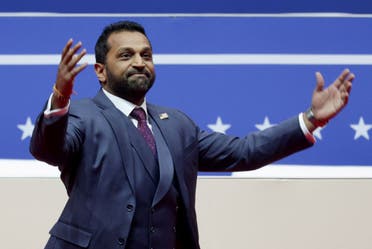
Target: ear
100	70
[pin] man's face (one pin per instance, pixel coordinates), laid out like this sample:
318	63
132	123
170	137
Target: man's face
129	69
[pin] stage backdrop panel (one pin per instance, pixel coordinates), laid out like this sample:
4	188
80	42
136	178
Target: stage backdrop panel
230	74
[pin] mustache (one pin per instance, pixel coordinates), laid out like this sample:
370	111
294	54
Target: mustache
144	71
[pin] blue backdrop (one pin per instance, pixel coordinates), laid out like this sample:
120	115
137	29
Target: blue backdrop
188	6
241	94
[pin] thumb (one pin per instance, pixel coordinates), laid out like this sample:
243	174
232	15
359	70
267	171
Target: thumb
319	82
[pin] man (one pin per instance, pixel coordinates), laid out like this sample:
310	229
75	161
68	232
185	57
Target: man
130	167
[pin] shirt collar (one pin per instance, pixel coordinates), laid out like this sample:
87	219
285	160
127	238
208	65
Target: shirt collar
123	105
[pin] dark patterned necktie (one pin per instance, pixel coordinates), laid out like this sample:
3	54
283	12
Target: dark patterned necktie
140	115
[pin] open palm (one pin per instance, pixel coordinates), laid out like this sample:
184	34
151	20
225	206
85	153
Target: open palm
327	102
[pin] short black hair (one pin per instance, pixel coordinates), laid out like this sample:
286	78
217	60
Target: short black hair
102	47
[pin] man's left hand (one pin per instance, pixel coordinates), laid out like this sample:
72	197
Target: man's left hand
328	102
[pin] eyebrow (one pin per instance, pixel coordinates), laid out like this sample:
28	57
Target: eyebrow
122	49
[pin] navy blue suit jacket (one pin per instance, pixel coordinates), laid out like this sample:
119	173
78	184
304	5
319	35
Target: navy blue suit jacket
96	152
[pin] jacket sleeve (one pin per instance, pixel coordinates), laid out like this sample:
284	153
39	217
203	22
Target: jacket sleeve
56	140
219	152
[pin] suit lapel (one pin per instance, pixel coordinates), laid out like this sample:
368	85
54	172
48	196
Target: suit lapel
119	124
124	131
165	123
144	152
166	166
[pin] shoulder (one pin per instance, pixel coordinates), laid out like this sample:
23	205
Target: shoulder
179	129
168	112
83	106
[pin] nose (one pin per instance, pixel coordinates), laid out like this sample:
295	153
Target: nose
138	61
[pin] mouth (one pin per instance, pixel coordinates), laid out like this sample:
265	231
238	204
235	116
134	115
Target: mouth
139	74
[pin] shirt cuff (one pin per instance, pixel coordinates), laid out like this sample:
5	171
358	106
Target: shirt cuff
48	113
309	136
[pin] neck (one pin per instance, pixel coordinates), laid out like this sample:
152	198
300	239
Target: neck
136	101
133	97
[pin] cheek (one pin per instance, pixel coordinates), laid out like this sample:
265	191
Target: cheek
151	68
120	69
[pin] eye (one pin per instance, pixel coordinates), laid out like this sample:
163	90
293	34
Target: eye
125	55
147	56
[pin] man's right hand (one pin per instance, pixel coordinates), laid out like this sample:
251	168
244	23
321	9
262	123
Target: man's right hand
67	71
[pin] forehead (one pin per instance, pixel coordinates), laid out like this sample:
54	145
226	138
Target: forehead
128	39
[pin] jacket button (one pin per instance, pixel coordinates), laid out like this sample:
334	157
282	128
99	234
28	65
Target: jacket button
130	208
152	229
121	241
174	229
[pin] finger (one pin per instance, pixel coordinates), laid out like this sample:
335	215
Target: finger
76	58
351	77
345	97
342	77
78	69
70	53
77	47
319	82
348	86
66	48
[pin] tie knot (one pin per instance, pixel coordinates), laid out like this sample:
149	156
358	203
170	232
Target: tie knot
139	114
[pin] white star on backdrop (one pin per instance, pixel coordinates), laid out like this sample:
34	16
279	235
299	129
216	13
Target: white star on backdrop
361	129
219	126
26	128
266	124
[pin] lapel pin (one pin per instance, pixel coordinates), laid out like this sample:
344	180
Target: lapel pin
163	115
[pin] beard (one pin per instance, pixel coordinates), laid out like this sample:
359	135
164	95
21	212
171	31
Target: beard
132	86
